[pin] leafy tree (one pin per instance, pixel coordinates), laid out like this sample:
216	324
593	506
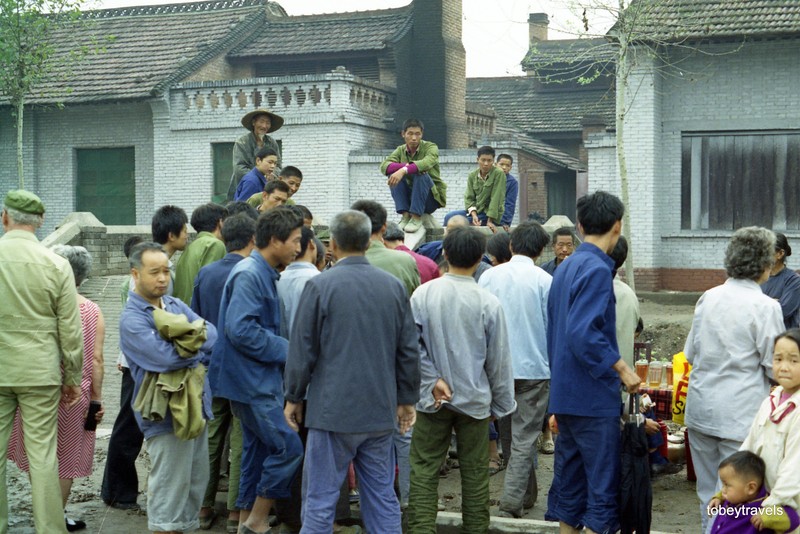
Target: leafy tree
28	52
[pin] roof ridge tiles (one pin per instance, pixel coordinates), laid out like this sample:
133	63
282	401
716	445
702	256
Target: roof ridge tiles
343	15
202	6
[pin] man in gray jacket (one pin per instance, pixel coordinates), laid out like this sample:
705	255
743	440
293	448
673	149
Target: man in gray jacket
357	356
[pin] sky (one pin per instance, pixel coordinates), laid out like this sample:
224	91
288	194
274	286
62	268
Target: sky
495	38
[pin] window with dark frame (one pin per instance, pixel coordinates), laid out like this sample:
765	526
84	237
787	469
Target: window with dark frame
735	179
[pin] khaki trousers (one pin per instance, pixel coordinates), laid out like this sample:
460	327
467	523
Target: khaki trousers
39	407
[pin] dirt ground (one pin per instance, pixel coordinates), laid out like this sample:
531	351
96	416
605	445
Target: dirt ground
675	507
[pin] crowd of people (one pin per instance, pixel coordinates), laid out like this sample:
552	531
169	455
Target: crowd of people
343	364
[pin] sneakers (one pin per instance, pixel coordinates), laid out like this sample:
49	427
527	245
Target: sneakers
507	513
412	226
546	446
354	496
404	221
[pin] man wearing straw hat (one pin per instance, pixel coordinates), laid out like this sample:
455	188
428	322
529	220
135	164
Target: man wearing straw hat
260	122
40	333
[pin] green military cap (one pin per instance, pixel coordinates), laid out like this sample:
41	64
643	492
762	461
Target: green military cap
24	201
324	235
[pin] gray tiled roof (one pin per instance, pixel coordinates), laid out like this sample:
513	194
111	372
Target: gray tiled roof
328	33
151	47
518	101
569	51
702	19
540	149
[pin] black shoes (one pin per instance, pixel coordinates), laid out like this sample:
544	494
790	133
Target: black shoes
74	525
665	469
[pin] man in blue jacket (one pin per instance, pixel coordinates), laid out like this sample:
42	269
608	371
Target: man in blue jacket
247	369
586	374
357	356
179	467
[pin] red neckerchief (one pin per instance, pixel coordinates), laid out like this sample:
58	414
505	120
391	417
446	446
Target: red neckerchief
784	411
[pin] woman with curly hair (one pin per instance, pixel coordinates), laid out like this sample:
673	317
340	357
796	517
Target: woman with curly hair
730	348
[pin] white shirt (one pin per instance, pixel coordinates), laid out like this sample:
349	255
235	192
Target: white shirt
627	319
730	349
779	446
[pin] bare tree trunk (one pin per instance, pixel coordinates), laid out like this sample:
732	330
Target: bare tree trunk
623	73
20	107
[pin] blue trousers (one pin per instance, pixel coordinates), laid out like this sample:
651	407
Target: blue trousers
328	455
413	194
402	448
481	217
271	453
586	473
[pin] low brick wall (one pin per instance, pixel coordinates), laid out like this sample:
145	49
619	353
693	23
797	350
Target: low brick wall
103	242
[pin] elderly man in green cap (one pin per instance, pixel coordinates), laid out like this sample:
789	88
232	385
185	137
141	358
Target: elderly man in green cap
40	330
260	122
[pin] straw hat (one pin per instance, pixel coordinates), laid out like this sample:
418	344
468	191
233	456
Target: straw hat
276	121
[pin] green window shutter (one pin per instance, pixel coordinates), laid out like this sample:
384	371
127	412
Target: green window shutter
222	155
106	184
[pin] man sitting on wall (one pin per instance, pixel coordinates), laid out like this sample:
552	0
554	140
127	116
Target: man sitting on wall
414	179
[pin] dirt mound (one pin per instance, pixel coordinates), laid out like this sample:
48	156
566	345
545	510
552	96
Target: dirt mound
667	338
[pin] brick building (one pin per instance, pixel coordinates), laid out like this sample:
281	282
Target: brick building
712	141
152	119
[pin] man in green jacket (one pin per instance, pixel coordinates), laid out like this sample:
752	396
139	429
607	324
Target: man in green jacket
40	331
206	248
485	196
414	179
393	262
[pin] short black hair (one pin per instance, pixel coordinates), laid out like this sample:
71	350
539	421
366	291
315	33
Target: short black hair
236	207
238	231
135	259
529	239
131	242
291	171
306	236
279	223
486	150
464	246
505	156
303	211
168	220
781	243
599	212
265	152
276	185
499	246
413	123
320	250
374	210
562	232
620	253
205	218
746	464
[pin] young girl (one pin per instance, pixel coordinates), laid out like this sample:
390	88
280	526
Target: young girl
775	434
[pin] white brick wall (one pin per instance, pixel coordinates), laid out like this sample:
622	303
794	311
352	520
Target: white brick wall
754	88
50	162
